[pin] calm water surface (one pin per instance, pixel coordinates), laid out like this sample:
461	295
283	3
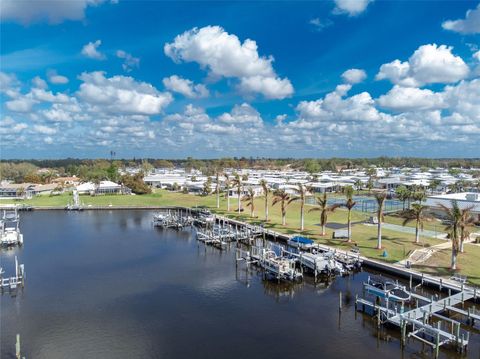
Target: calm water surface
106	284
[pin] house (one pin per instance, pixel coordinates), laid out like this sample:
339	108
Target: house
104	187
464	200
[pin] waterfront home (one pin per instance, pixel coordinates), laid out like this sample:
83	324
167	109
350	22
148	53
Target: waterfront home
104	187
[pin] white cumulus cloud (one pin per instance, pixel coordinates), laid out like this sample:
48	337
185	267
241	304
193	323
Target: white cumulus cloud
410	98
224	55
354	76
185	87
91	50
428	64
55	78
122	94
52	11
351	7
469	25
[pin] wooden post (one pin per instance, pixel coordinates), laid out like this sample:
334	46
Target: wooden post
17	347
340	301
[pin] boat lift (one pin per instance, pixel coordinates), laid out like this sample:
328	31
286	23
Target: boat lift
12	283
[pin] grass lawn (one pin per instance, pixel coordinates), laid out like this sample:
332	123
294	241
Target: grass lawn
398	245
432	225
468	263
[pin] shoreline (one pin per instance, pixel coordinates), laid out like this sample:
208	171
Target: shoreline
416	276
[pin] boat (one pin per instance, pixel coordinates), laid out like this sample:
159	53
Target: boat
9	229
279	267
301	243
386	288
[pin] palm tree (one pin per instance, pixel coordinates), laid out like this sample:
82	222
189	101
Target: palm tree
237	182
282	197
217	187
266	191
227	191
454	216
349	204
380	198
302	191
358	185
324	209
416	213
250	199
466	221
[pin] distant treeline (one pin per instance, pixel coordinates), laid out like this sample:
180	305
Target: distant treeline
97	169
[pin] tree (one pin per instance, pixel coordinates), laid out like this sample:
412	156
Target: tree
417	214
207	187
135	183
227	191
302	192
282	197
266	191
349	204
433	185
217	187
370	185
32	178
402	194
358	185
250	199
454	217
112	173
324	208
466	221
237	182
380	198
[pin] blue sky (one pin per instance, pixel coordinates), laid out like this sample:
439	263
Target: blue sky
347	78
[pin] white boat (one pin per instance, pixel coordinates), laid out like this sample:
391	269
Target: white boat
9	229
321	263
279	267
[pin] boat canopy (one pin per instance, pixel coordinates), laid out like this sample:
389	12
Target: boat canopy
301	240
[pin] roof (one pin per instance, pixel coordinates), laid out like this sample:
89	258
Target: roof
302	240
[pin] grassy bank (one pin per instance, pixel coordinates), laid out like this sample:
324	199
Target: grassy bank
397	245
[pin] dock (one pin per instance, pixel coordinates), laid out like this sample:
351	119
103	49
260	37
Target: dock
12	283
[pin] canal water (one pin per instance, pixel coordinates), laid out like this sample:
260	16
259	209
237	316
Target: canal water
106	284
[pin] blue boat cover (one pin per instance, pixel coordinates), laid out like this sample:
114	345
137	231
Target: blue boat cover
301	240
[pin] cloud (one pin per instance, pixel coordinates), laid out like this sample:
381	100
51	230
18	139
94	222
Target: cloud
351	7
319	25
39	82
185	87
354	76
129	62
243	114
51	11
122	94
224	55
55	78
428	64
476	55
44	129
90	50
410	99
469	25
270	87
22	104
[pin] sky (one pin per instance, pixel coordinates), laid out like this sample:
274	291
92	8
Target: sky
316	79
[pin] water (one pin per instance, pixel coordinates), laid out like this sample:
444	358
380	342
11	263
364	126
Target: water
106	284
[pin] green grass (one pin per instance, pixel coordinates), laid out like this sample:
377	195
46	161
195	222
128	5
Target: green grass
468	263
398	245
